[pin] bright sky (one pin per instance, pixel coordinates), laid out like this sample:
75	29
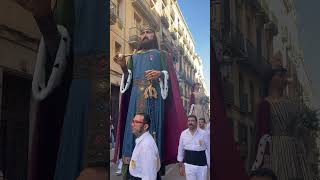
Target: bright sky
197	16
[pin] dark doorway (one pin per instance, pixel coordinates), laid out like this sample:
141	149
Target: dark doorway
14	125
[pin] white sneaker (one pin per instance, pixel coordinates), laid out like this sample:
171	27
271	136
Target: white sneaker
118	173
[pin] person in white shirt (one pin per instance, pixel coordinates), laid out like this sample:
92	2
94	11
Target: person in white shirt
202	123
208	128
145	160
194	151
119	171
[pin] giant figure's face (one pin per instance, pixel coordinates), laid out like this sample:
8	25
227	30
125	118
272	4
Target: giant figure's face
147	39
279	79
146	35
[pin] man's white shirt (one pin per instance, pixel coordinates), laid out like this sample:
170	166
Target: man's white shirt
208	128
198	142
145	160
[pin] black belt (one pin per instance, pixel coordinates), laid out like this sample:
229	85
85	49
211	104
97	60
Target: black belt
197	158
135	178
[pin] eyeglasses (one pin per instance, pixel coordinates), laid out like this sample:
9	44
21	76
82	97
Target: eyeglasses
137	122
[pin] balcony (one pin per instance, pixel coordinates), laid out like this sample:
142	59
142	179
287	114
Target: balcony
259	64
234	41
172	14
180	49
182	75
238	42
185	40
180	30
147	12
186	58
245	51
243	103
173	35
228	89
189	81
133	36
113	13
217	35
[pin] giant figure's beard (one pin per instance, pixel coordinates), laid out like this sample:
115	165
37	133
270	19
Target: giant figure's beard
147	44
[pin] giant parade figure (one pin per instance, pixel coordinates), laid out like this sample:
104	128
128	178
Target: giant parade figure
199	102
149	85
279	145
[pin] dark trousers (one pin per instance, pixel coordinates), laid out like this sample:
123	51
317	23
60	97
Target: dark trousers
127	176
136	178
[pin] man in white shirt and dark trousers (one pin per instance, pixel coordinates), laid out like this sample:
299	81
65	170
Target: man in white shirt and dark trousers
194	151
145	160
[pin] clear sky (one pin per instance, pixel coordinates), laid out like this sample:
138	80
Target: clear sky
197	16
310	38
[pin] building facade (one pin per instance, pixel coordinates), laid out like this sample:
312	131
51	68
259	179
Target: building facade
246	35
244	42
19	38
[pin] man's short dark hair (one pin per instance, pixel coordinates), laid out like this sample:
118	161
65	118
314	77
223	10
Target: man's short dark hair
263	172
202	119
146	118
193	116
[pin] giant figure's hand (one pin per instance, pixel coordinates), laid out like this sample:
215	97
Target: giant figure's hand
152	74
120	59
39	8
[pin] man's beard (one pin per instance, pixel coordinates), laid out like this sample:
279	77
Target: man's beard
191	126
147	44
139	132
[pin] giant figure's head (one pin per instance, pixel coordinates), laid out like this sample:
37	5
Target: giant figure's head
278	77
147	39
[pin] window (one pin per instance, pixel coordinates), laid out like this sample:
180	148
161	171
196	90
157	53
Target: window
117	48
152	3
249	28
118	7
252	97
164	2
241	90
114	8
137	20
242	133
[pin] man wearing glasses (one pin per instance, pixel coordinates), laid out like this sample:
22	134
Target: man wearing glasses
145	160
